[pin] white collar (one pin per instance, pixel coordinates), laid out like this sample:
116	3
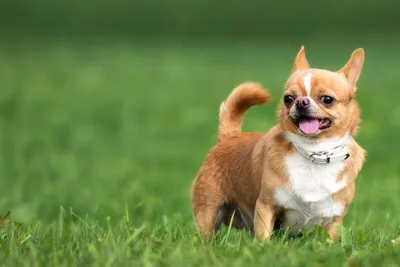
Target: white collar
323	151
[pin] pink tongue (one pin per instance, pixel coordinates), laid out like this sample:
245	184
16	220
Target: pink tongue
309	126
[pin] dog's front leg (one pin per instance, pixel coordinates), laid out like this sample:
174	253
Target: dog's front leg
346	196
332	229
264	219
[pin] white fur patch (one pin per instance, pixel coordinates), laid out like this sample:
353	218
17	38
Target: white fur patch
307	83
309	199
300	214
222	107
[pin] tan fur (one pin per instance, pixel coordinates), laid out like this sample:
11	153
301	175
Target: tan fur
232	110
245	169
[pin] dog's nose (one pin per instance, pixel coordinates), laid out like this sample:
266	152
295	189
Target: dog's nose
302	102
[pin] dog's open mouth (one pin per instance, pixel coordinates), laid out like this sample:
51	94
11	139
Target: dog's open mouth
310	125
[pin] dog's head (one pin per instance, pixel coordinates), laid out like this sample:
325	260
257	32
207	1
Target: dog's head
320	103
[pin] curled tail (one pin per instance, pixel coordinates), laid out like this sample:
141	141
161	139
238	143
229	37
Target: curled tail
231	111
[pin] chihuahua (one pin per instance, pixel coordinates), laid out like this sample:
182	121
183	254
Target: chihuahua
299	174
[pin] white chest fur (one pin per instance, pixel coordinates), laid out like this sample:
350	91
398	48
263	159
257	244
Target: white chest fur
309	199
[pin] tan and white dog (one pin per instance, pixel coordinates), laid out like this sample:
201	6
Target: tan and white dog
300	173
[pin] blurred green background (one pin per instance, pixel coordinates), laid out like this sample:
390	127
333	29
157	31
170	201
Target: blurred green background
200	20
113	104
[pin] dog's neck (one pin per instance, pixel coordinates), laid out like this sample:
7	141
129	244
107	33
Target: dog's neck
318	145
321	150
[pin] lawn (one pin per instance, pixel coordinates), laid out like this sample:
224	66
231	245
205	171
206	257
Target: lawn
100	141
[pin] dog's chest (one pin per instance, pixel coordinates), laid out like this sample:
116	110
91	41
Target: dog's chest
309	199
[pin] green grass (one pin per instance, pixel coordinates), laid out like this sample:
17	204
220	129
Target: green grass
100	141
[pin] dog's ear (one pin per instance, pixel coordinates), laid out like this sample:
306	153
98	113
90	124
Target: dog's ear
300	63
353	67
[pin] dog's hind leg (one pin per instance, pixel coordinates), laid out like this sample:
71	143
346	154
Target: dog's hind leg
206	218
207	198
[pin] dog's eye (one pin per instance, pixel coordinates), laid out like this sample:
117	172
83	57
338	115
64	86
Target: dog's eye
327	100
288	99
